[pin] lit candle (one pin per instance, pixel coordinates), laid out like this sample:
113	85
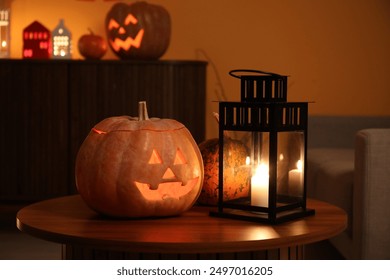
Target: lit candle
259	186
295	180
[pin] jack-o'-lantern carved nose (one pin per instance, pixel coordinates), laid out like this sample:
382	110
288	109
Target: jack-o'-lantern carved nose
122	31
169	174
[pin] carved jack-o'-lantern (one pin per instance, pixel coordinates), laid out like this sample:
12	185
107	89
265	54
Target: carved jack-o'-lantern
138	30
139	167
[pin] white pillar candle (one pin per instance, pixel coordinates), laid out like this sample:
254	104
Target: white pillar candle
259	186
295	180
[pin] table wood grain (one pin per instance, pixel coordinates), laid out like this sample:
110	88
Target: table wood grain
68	220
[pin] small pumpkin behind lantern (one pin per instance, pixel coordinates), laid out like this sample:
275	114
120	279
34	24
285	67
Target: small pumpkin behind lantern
237	173
139	167
138	30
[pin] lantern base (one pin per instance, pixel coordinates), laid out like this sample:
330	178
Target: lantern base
262	217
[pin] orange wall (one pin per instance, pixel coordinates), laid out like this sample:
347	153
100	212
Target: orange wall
337	53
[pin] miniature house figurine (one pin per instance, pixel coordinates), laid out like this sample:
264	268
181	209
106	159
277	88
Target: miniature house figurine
36	41
61	42
4	32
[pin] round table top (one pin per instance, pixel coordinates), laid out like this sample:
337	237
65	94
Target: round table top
68	220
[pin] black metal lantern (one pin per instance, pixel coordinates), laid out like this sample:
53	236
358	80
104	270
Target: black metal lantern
274	133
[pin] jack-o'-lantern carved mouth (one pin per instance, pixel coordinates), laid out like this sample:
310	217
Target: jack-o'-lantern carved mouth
166	190
127	42
169	186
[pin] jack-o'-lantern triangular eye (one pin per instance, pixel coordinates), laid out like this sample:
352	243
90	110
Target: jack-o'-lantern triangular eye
155	158
179	158
113	24
130	19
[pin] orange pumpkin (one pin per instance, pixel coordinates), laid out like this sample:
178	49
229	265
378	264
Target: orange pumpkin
92	46
236	174
139	167
138	30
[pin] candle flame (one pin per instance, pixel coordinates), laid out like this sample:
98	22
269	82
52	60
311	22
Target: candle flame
248	160
261	170
299	165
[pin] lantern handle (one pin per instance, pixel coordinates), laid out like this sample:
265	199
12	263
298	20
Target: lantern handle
232	72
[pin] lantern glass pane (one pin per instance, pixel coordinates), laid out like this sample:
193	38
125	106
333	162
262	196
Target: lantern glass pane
246	168
236	167
290	165
259	168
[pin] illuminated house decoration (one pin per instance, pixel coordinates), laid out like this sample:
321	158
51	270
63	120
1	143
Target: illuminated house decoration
275	134
61	41
4	32
36	41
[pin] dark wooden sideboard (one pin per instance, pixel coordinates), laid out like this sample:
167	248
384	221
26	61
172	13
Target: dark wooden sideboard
49	106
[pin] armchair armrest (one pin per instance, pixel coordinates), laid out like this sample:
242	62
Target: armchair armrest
371	194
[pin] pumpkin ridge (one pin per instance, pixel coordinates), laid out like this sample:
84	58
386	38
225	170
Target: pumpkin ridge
98	131
126	123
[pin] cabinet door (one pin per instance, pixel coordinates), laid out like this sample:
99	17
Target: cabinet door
171	89
34	128
189	97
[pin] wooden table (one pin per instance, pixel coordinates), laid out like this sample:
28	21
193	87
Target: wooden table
193	235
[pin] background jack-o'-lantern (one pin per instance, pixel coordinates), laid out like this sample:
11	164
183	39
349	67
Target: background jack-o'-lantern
138	30
139	167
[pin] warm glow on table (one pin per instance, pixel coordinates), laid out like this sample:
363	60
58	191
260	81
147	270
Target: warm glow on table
69	221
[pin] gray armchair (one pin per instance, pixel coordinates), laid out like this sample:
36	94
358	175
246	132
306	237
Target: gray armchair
349	166
371	195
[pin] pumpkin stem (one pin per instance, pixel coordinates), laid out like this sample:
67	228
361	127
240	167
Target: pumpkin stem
216	117
142	111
